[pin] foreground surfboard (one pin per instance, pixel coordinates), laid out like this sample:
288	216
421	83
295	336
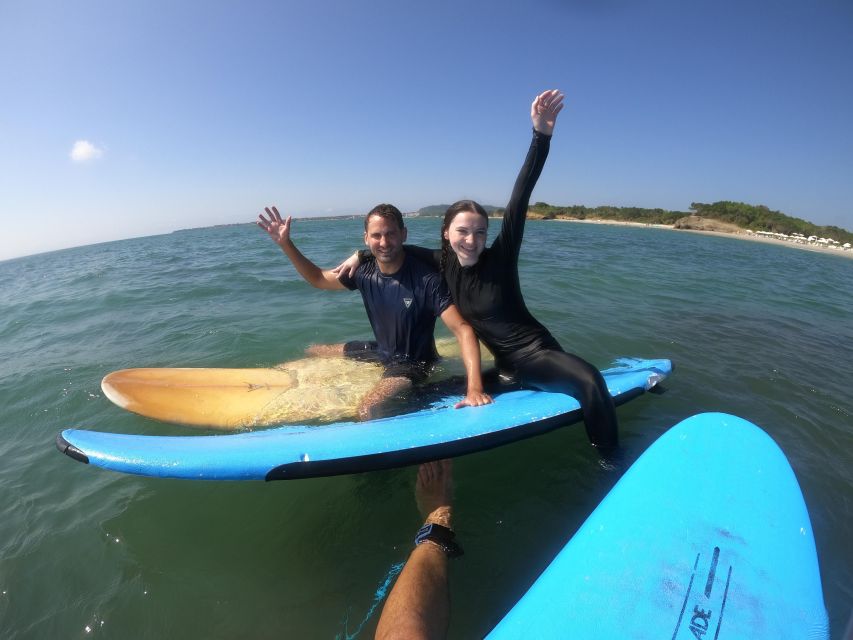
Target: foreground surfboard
347	447
706	537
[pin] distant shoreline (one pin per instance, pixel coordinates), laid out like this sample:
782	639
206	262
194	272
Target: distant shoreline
741	235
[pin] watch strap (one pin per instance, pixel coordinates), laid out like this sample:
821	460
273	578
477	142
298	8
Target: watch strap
440	536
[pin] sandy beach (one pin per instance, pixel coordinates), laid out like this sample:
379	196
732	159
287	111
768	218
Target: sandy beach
848	253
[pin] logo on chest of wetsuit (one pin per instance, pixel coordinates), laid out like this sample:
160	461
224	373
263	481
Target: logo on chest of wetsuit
407	302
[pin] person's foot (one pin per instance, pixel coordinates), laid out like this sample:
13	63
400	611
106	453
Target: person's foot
434	491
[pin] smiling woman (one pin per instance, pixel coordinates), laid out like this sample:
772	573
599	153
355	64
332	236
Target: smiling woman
466	225
486	288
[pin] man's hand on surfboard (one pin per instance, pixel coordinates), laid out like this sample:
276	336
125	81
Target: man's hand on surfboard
278	229
544	110
474	399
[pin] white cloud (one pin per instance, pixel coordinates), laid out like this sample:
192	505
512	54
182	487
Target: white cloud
85	151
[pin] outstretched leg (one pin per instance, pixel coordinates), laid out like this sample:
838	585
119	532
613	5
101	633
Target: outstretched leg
558	371
364	350
418	606
325	350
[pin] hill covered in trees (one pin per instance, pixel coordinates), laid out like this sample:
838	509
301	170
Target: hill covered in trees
760	218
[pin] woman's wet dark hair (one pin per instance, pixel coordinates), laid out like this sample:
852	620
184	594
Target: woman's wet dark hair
452	211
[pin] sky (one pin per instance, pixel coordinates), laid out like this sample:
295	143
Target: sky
134	118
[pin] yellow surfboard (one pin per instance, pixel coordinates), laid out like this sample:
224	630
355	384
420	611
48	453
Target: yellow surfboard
307	390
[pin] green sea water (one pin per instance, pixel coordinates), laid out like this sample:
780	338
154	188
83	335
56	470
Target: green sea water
761	331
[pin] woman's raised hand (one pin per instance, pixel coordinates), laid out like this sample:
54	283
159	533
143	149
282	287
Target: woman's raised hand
544	110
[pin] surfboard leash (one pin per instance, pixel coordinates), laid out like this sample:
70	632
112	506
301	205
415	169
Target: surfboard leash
378	597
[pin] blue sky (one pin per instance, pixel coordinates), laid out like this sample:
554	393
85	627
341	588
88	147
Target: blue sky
194	113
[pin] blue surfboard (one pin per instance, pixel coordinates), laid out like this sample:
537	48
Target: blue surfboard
705	537
290	452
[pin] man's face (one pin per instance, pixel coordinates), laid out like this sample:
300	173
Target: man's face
385	240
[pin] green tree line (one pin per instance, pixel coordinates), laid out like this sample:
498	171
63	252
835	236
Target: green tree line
622	214
745	216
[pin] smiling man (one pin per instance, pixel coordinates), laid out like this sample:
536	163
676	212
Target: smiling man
402	296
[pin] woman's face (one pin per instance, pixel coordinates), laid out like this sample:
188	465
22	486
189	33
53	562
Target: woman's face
467	236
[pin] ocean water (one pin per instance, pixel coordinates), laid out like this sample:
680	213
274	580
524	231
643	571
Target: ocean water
761	331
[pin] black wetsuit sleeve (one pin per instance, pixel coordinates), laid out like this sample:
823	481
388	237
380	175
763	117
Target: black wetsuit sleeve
432	257
442	297
508	242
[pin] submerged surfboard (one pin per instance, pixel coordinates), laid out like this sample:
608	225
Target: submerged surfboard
348	447
310	389
303	390
705	537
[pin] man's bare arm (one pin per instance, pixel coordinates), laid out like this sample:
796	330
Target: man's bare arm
279	231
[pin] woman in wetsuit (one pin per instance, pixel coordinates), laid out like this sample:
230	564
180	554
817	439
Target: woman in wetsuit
485	287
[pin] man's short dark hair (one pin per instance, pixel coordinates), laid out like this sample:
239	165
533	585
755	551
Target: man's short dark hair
387	211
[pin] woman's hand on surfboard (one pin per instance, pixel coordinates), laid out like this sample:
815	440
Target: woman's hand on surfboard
278	229
347	267
474	399
544	110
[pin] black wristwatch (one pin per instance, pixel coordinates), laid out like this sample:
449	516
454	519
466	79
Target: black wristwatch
440	536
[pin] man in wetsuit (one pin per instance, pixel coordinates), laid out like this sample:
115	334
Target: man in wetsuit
402	297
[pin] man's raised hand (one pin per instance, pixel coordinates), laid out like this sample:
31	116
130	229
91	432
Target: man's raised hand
276	228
